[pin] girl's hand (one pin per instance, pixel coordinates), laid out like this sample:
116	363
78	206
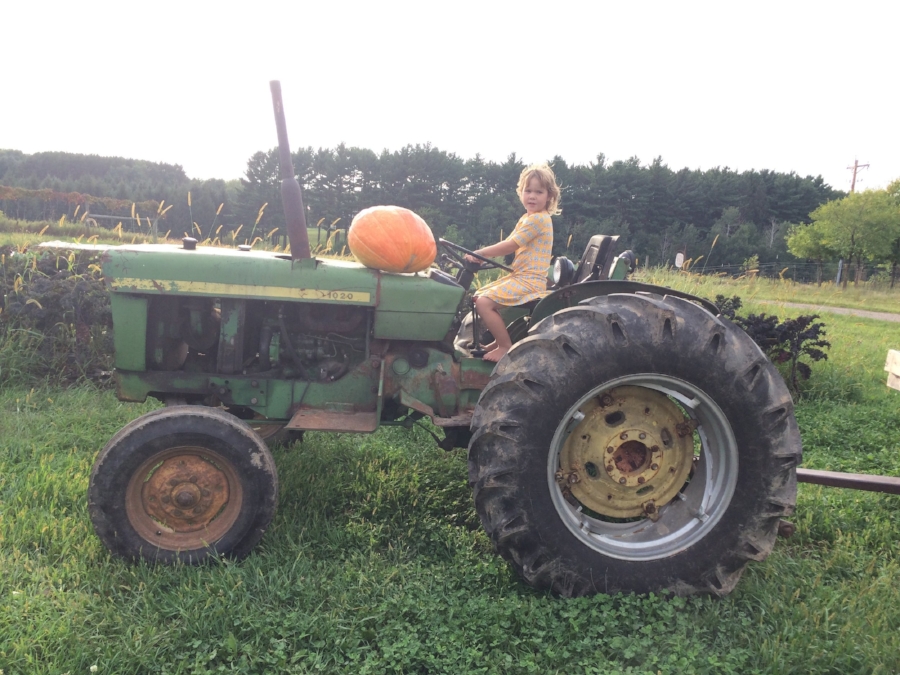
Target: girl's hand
495	250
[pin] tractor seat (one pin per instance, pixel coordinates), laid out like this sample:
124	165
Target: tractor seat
595	262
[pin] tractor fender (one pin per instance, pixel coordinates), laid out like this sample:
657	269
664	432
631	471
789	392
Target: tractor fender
570	296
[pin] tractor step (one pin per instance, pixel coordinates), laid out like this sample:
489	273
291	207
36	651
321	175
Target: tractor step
312	419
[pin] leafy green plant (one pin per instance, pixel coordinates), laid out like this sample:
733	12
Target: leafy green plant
784	342
787	341
728	306
750	265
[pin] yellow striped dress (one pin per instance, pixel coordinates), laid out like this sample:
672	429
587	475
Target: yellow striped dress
528	280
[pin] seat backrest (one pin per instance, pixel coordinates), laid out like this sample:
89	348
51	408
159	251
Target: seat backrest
597	257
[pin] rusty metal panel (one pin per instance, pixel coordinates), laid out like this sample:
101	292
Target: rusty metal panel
474	379
446	391
464	419
325	420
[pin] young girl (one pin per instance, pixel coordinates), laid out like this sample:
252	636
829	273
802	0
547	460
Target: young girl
532	242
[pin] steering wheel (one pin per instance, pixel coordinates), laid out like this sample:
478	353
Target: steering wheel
458	254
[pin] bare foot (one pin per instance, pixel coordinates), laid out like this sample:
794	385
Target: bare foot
491	347
496	354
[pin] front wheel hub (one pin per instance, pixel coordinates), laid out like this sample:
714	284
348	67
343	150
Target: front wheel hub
184	498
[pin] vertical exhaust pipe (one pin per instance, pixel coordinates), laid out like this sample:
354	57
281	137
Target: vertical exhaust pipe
291	195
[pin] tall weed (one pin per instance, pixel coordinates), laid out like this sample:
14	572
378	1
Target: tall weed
55	319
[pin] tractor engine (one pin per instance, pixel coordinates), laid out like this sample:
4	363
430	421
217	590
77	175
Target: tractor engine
305	341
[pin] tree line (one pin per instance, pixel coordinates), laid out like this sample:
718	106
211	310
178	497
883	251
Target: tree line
859	228
657	211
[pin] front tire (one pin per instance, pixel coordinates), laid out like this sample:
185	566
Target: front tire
183	484
634	443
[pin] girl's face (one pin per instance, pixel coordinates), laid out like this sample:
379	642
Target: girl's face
535	196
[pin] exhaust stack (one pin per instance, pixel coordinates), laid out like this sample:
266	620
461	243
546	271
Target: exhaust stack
291	195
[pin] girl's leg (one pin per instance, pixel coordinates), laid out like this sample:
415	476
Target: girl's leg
489	347
487	310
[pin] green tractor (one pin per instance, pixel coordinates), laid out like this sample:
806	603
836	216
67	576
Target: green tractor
631	440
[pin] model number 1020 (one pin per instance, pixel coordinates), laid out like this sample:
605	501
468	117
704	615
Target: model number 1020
339	295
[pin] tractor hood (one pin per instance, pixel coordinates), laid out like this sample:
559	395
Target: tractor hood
408	306
223	272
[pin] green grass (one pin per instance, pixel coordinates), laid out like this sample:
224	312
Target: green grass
873	296
376	561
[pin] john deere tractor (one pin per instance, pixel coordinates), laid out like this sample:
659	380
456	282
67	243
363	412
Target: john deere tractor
631	440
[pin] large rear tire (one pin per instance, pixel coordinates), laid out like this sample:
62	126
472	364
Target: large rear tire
634	443
183	484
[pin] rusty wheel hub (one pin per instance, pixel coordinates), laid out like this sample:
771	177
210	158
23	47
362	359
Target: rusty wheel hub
183	498
627	456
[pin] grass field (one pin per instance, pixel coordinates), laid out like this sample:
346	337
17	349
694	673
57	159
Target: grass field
376	562
873	296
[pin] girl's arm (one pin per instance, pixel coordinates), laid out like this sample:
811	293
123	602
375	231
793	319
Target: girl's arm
498	249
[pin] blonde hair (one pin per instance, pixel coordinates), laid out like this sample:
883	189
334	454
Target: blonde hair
547	179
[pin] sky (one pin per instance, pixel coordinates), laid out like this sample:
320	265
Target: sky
807	87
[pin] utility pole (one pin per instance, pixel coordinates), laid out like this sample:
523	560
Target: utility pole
856	167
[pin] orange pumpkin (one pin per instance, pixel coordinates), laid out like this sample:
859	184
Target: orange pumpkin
392	239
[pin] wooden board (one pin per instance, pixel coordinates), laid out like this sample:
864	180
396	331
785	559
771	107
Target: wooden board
893	369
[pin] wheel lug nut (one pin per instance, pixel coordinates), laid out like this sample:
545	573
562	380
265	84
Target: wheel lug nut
609	469
642	436
622	481
654	466
610	449
641	479
623	435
